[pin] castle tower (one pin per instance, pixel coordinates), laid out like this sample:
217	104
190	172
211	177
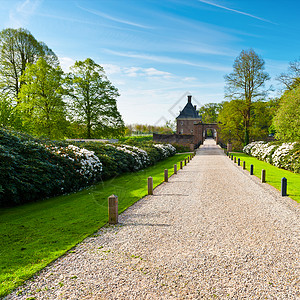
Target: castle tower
187	118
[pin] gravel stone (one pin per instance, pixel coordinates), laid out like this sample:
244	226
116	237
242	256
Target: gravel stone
212	232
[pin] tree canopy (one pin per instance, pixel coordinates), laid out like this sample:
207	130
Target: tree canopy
246	83
41	104
18	47
92	100
287	118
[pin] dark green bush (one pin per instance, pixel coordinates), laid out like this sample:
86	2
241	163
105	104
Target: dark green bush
32	169
30	172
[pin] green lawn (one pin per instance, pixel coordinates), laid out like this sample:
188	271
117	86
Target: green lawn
273	175
35	234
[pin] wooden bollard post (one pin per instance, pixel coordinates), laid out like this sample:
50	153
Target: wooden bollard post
175	169
263	175
181	165
239	161
191	156
185	161
251	169
244	165
113	209
231	157
166	175
283	186
150	185
234	159
188	159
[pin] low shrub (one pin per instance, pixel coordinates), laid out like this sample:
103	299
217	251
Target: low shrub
181	148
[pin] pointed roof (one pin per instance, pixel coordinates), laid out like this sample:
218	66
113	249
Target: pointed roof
189	111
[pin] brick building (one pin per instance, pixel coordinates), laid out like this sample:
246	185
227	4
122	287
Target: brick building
190	130
187	118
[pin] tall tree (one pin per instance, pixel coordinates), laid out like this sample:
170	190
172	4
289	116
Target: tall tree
287	118
93	100
8	113
18	47
246	83
291	79
41	103
209	112
231	120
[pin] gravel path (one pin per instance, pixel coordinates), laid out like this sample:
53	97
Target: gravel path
212	232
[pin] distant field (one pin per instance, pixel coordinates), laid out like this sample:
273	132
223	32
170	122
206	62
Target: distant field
273	175
35	234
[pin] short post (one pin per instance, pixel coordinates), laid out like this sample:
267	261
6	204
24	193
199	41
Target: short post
166	175
244	165
239	161
234	159
251	169
263	175
227	153
188	159
231	157
113	209
181	165
283	186
150	185
175	169
191	156
185	161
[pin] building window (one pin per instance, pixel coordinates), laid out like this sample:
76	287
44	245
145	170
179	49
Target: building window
181	122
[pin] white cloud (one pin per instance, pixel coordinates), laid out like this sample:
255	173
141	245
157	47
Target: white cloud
66	63
170	60
19	16
111	69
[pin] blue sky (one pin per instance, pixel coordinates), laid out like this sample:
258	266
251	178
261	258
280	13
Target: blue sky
157	51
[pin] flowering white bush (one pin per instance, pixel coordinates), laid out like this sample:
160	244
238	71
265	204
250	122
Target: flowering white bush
166	149
140	156
90	164
281	156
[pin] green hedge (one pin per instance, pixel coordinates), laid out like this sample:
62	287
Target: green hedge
33	169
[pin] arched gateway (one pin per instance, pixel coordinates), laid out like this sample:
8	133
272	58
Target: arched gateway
190	129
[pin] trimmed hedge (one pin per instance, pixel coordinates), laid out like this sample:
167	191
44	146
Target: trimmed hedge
33	169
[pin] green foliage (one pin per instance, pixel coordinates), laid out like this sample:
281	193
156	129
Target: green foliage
232	123
45	230
33	169
287	118
246	84
18	47
135	140
181	148
93	100
40	100
30	172
209	112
